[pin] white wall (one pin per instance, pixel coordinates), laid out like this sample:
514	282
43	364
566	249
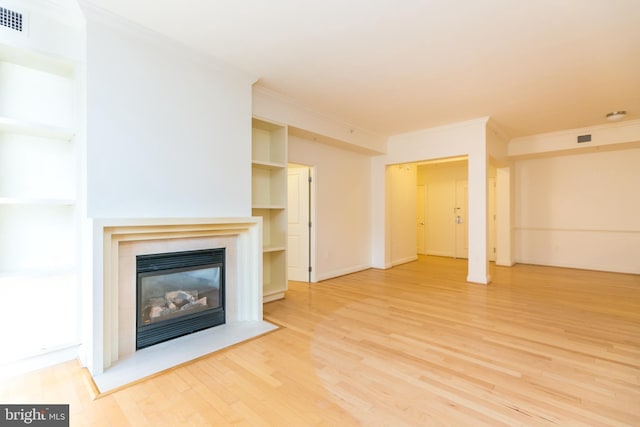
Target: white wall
497	144
576	205
168	130
343	203
401	193
580	210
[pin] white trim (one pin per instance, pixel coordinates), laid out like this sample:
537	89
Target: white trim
506	262
273	296
313	217
479	279
439	253
342	272
404	260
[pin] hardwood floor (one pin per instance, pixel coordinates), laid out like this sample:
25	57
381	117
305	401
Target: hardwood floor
414	345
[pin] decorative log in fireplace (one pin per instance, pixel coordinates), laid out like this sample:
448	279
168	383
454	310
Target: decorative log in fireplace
178	293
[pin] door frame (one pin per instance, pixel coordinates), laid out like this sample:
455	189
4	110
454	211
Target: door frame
492	241
461	212
421	194
311	188
313	218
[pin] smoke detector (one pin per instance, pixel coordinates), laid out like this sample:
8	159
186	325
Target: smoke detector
614	116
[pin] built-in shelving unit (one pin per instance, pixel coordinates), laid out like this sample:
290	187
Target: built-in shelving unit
269	201
38	213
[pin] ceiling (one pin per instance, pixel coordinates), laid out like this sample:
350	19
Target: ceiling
393	66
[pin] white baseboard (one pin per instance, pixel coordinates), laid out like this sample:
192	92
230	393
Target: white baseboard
273	297
404	260
479	280
341	272
438	253
505	262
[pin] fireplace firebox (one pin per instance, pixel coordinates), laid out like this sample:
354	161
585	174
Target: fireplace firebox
178	293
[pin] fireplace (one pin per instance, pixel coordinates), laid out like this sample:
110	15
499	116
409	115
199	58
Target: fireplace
110	353
178	293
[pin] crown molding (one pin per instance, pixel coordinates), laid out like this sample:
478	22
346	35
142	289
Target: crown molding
178	50
619	135
582	130
258	88
66	12
308	123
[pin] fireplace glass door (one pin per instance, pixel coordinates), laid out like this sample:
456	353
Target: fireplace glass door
178	293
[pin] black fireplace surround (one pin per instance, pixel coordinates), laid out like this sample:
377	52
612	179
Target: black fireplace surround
178	293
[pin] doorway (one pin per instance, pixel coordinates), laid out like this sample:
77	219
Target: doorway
442	203
442	209
299	223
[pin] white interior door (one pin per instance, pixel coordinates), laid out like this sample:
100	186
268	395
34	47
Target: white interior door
460	220
298	224
420	228
440	233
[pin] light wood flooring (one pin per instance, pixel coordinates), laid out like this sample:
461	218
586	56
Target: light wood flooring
414	345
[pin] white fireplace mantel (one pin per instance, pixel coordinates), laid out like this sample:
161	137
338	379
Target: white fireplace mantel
112	241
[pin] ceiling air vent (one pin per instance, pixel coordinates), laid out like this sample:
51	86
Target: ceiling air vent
584	138
10	19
